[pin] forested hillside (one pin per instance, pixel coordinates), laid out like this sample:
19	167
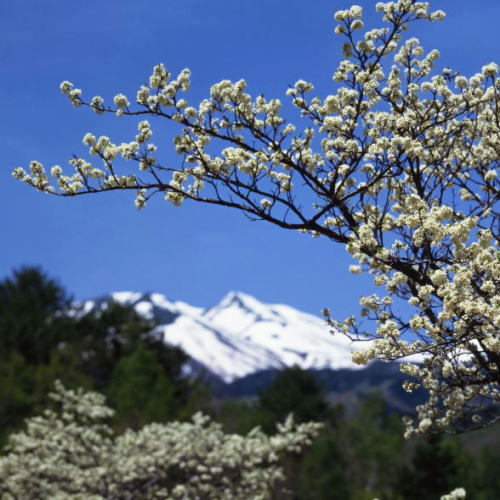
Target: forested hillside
360	453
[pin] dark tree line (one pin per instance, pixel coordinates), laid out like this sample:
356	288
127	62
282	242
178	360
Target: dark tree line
112	350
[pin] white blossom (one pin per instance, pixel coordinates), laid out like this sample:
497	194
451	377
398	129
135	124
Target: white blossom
398	165
456	494
121	101
70	449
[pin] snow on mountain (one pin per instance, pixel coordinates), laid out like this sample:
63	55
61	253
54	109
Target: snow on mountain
295	337
241	335
223	354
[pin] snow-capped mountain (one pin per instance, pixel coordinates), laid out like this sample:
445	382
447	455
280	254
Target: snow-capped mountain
240	335
296	338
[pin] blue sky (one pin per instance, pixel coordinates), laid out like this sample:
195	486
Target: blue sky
96	244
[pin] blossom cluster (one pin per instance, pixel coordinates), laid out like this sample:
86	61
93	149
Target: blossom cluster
70	452
398	165
456	494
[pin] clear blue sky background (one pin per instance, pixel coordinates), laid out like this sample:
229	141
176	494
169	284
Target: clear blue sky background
98	244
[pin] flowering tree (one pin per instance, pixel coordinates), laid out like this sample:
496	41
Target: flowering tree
70	452
397	165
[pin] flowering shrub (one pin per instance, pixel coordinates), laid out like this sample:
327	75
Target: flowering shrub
401	164
70	452
456	494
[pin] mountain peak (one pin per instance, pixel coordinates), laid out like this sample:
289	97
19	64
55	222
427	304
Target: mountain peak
241	335
241	299
237	311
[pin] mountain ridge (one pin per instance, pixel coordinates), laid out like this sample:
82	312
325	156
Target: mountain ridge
240	335
240	344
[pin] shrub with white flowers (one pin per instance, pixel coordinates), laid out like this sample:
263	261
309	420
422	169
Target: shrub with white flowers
70	452
401	165
456	494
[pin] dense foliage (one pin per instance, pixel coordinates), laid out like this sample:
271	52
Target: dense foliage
362	455
70	452
112	349
359	454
